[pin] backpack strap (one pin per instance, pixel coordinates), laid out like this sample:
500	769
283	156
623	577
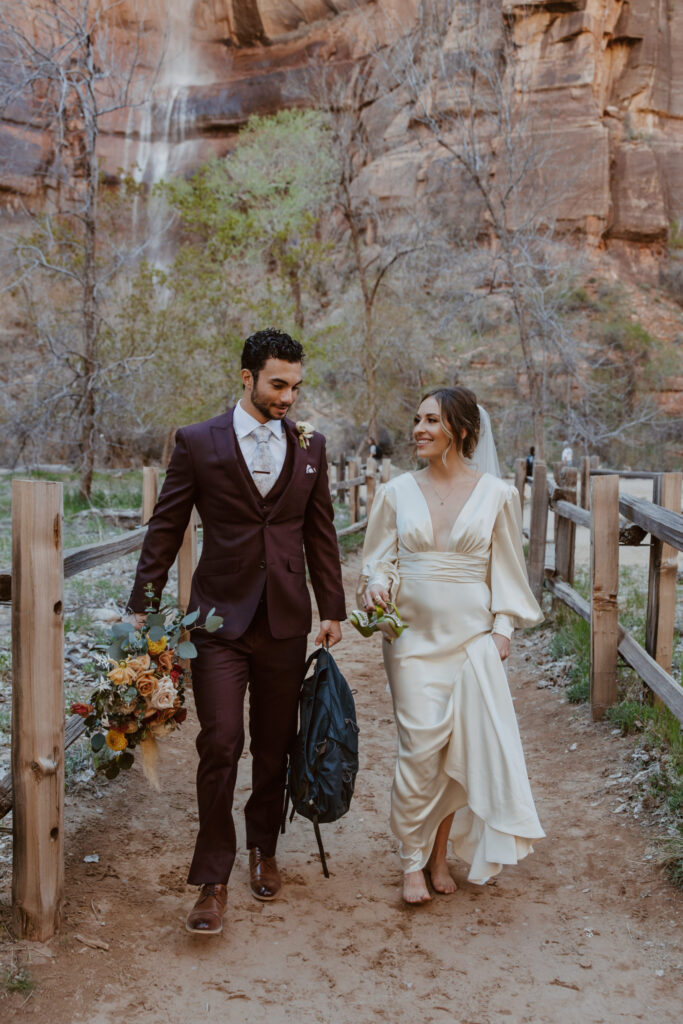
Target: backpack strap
321	848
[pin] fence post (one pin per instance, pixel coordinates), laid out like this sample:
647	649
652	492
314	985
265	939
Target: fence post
565	533
661	592
342	496
354	492
538	527
604	593
586	482
385	471
150	488
370	483
520	479
37	708
187	561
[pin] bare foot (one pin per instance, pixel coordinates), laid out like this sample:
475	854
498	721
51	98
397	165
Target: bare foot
415	888
441	878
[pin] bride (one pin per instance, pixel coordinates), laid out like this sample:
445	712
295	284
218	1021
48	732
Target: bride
444	544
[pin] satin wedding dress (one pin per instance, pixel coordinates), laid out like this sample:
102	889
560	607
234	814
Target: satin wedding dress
459	747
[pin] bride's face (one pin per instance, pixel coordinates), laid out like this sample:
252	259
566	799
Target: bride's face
431	440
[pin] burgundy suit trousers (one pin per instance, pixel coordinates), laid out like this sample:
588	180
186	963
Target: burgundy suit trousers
223	669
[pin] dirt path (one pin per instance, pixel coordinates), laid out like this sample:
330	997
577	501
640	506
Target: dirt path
584	930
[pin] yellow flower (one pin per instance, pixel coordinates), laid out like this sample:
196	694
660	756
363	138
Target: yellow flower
140	664
121	676
115	740
156	646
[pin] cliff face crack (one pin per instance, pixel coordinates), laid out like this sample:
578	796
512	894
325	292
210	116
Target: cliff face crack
248	26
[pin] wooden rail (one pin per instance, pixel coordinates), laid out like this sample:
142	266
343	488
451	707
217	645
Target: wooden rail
660	518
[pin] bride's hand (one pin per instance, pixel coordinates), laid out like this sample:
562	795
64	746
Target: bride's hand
376	596
503	645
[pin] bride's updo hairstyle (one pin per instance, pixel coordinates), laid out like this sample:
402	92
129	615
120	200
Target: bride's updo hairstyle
459	411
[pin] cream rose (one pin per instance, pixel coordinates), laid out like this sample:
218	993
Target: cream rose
140	664
165	694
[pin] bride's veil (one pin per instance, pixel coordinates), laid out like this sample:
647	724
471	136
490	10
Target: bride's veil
485	457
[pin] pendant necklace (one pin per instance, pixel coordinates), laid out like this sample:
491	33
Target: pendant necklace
441	500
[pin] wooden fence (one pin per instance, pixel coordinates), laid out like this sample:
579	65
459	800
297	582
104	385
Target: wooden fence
35	785
613	520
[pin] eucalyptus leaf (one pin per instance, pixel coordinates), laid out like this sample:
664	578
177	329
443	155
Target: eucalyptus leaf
186	650
156	619
130	693
120	629
126	760
156	633
112	769
114	651
97	742
191	617
213	622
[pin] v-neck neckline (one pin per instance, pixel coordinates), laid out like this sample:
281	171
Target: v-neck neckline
457	518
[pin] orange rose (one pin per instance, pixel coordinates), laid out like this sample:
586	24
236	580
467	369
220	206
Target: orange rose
146	684
165	660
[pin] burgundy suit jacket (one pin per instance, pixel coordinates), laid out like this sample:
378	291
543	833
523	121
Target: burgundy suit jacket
250	542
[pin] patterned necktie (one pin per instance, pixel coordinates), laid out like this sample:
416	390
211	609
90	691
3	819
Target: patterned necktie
263	469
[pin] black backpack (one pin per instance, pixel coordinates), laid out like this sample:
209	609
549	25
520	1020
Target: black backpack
324	760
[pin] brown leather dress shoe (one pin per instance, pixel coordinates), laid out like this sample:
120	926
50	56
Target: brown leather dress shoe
264	877
206	916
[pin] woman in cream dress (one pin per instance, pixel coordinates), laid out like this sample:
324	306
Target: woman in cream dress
444	545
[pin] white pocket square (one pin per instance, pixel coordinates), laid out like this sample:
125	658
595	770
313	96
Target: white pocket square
311	469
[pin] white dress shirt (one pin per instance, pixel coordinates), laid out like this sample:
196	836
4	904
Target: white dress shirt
243	423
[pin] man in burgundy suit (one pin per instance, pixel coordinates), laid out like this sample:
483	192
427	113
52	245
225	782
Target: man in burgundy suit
260	486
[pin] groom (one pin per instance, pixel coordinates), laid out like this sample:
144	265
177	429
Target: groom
259	483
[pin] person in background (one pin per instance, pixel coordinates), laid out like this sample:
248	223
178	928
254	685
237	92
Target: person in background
530	462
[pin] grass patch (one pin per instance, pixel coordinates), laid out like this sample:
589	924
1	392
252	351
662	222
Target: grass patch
571	640
17	980
672	859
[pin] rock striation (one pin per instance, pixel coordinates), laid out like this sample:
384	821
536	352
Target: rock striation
604	77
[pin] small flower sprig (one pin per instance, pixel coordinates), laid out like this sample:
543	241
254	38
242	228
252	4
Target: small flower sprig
305	431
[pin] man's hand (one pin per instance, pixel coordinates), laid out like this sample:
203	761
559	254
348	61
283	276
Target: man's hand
503	645
330	632
136	619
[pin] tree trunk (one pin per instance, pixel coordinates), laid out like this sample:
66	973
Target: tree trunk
91	320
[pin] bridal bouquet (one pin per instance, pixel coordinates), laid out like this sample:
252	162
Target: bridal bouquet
388	623
139	697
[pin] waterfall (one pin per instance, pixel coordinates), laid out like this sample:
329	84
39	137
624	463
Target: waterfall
159	142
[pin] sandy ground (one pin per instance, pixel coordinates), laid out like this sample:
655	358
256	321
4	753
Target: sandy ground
586	929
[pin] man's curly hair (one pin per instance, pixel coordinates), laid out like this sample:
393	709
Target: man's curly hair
269	344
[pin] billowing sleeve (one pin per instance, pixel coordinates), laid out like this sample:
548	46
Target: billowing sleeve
512	603
380	550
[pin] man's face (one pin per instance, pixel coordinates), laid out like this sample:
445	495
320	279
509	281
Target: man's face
275	390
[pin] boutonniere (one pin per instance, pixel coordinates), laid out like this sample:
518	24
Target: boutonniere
305	432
